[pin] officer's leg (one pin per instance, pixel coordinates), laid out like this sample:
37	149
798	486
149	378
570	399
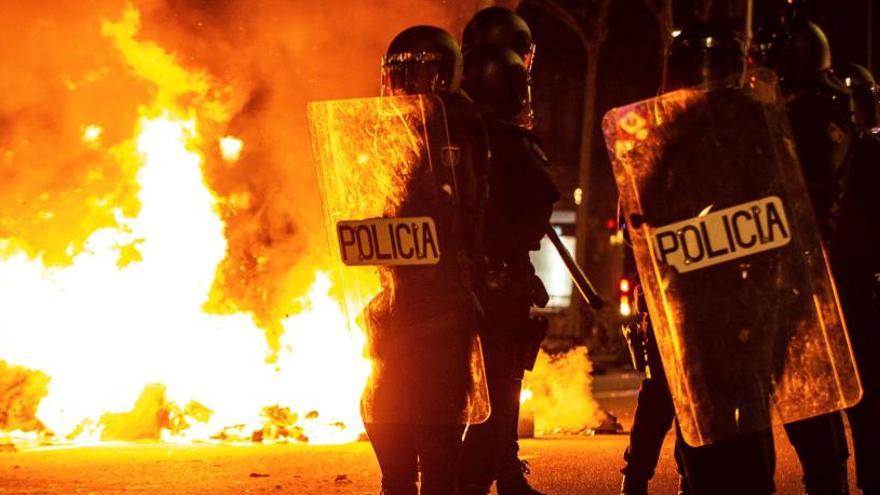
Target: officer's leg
820	444
482	444
652	420
861	306
512	471
684	488
438	447
864	419
737	466
397	457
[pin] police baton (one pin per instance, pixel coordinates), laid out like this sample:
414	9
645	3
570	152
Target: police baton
577	275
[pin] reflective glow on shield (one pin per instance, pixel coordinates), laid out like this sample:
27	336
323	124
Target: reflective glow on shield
386	170
744	309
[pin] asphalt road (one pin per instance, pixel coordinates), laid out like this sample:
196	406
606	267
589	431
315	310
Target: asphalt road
560	465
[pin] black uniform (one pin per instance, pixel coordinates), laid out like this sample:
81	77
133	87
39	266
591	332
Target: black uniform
710	55
521	197
421	339
855	258
422	331
819	115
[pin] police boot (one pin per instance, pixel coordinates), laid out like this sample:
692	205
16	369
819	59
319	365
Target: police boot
514	482
632	485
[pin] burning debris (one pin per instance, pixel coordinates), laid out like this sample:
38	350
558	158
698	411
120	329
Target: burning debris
21	391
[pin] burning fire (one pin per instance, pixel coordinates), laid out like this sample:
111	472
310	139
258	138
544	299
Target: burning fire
159	275
121	331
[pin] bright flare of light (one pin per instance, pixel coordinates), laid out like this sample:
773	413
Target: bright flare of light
91	134
625	307
230	148
525	395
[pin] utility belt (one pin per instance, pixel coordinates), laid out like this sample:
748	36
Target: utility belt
506	295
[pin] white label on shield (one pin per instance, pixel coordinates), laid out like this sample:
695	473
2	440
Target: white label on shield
389	241
723	235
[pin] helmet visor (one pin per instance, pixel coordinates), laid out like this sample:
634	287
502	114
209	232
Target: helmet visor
411	73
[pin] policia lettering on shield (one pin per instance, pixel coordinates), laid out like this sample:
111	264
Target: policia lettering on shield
724	235
389	241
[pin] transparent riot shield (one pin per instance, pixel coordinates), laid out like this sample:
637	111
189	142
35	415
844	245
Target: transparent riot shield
387	177
738	286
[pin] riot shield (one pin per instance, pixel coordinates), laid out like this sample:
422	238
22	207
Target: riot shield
387	177
728	250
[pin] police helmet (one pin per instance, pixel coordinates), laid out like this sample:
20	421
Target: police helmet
499	26
703	53
497	80
866	94
422	59
796	50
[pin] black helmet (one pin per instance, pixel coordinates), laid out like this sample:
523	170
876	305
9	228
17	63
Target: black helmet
866	94
498	26
797	51
497	80
503	27
700	54
422	59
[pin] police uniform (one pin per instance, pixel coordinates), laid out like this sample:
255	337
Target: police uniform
422	332
521	197
855	258
819	115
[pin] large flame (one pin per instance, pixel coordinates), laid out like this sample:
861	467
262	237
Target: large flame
163	272
121	331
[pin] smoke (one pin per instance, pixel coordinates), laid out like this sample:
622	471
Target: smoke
70	103
562	398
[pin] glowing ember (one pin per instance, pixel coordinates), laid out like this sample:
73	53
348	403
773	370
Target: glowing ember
230	148
91	134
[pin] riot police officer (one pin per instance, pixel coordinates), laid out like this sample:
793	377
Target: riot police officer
504	27
819	108
424	327
856	263
521	197
701	55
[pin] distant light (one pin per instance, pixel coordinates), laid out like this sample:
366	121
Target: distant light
611	224
230	148
91	134
578	196
624	285
625	308
676	32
